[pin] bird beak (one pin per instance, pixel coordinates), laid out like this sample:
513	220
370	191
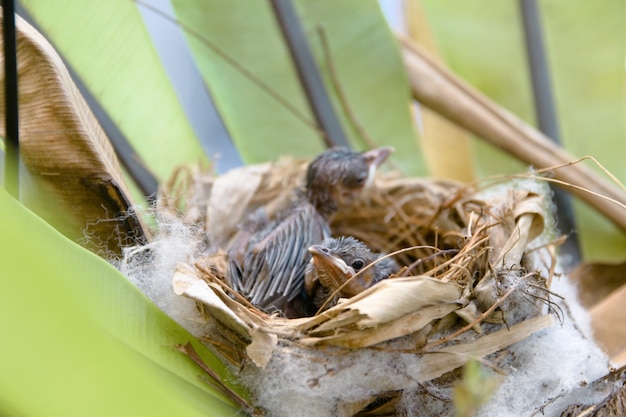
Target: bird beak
374	158
377	156
337	269
338	272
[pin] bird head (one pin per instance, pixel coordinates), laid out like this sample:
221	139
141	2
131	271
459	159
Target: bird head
336	177
336	260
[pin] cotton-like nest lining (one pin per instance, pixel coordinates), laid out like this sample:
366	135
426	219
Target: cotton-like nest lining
478	267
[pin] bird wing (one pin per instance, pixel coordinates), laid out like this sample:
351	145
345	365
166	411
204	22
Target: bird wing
277	257
239	246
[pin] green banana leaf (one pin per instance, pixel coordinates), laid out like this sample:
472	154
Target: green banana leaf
78	339
108	46
363	52
114	57
482	42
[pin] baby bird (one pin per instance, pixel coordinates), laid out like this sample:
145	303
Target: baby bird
337	260
267	259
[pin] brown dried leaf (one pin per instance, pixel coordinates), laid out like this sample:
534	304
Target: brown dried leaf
510	244
608	319
436	363
436	87
262	346
186	282
230	195
393	298
528	203
68	154
596	281
407	324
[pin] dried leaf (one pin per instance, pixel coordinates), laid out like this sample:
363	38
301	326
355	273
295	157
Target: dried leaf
262	347
608	318
528	212
230	196
68	154
531	204
470	314
393	298
407	324
186	282
527	209
513	250
436	363
597	280
437	88
439	135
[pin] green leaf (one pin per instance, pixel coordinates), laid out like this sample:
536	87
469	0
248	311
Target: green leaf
474	390
261	127
78	339
371	73
587	69
363	50
108	46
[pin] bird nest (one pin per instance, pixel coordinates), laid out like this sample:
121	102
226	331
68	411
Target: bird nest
476	271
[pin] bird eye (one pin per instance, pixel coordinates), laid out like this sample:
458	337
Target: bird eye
356	265
355	181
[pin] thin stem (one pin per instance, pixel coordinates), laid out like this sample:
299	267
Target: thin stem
12	142
238	67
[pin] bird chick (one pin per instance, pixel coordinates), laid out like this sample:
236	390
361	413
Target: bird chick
336	177
333	265
267	264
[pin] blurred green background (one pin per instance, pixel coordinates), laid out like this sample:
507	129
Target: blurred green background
482	41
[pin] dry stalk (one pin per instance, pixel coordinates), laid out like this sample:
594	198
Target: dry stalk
471	325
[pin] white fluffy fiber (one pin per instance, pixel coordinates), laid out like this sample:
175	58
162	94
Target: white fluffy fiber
297	383
555	363
551	367
552	363
151	268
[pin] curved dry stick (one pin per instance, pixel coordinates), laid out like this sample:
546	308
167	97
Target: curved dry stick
437	88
